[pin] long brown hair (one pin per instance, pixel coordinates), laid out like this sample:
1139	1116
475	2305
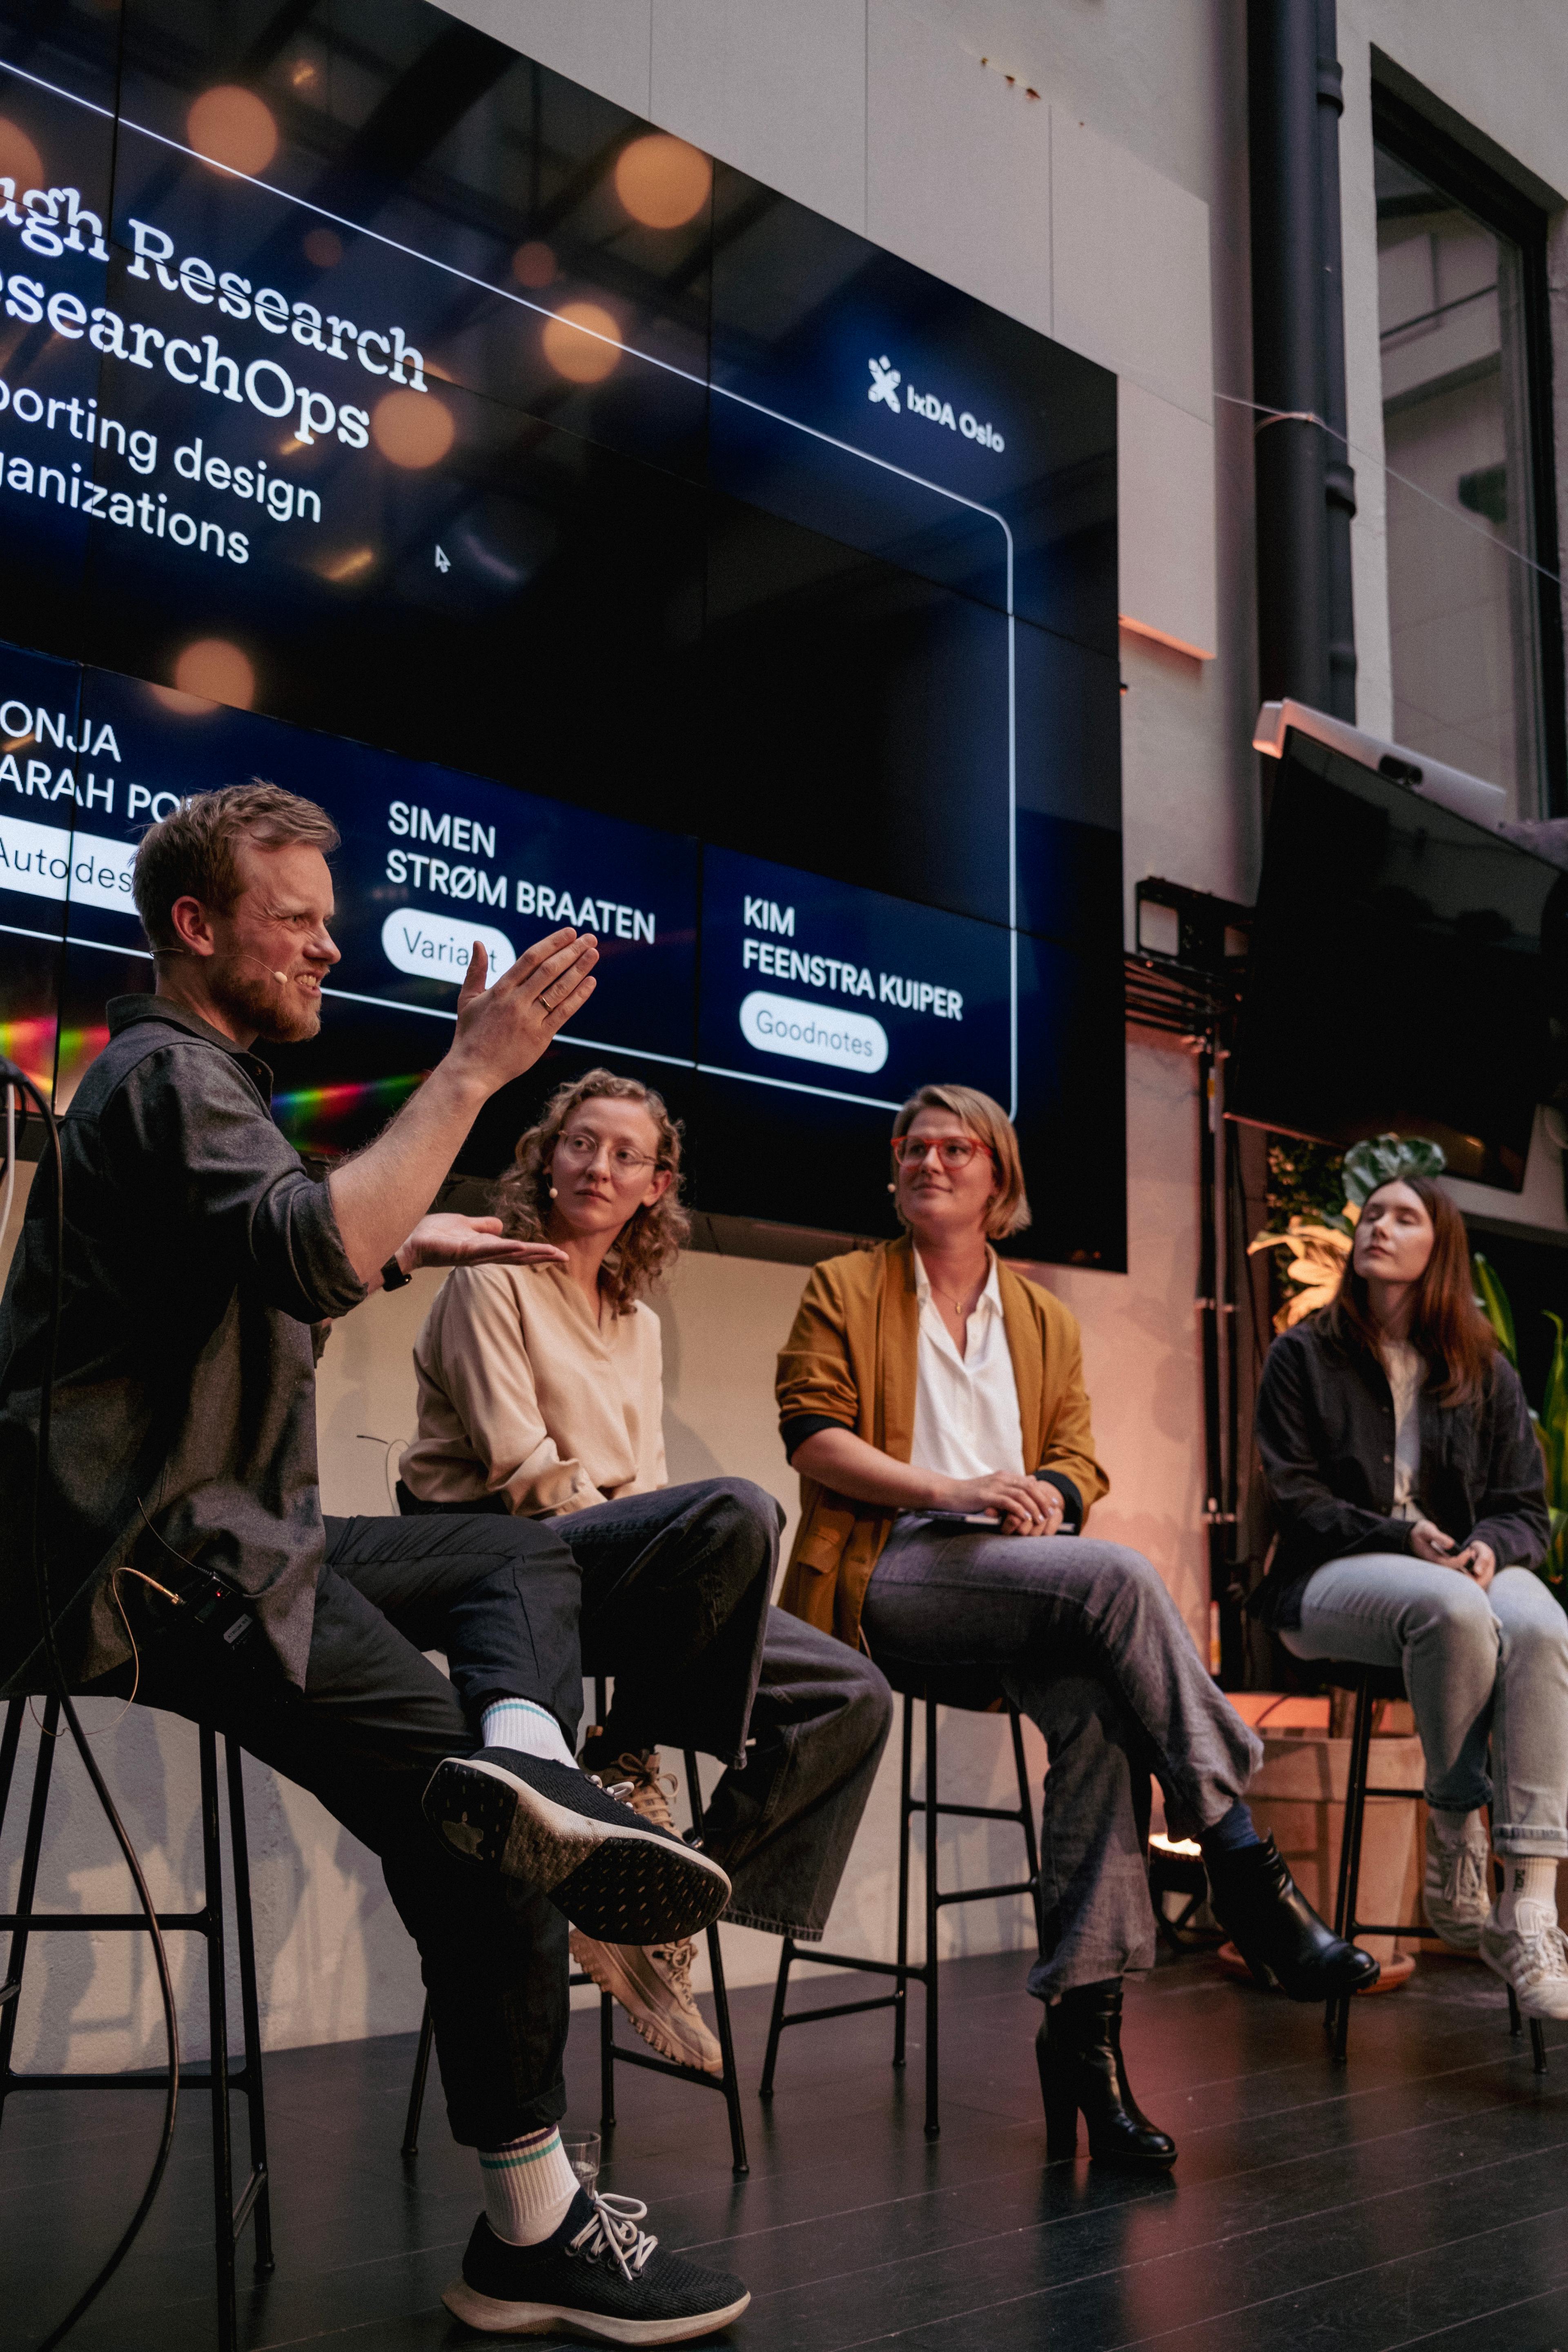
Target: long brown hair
651	1239
1447	1327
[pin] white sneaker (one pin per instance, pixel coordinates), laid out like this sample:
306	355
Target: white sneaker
1456	1892
1532	1955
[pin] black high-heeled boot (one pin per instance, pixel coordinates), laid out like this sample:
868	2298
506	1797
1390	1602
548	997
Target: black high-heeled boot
1082	2072
1276	1929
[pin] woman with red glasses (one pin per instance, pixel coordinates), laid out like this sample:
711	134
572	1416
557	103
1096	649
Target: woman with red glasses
933	1400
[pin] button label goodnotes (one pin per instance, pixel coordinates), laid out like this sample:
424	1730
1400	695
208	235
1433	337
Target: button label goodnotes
813	1033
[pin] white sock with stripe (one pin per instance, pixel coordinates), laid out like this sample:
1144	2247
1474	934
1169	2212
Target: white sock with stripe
528	2186
532	1729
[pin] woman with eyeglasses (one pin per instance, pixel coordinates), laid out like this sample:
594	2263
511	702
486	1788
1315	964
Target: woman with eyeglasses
934	1401
544	1396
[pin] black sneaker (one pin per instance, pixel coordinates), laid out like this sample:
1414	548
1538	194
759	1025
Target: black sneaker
599	2275
618	1877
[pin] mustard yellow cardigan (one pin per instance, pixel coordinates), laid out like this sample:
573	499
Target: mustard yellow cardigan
852	1359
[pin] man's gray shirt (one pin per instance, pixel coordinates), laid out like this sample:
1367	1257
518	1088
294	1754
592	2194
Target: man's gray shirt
198	1252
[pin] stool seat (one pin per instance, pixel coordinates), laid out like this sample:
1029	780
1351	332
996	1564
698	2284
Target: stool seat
219	2074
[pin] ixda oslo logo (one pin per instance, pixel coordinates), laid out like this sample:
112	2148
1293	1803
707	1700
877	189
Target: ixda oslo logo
886	381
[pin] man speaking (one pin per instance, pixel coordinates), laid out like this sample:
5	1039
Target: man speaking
187	1556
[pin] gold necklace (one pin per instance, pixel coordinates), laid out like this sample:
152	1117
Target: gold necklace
957	1304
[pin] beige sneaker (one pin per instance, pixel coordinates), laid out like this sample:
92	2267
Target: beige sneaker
652	1983
1532	1957
1456	1892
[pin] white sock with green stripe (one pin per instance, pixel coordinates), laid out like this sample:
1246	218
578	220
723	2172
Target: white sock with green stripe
528	2186
532	1729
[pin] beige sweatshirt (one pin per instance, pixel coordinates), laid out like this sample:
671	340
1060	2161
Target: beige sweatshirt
522	1392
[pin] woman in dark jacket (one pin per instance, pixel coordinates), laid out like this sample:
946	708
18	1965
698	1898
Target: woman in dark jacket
1406	1483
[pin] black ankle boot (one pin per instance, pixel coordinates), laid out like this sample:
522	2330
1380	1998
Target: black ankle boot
1276	1929
1078	2047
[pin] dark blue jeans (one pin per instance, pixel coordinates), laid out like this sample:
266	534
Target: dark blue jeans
1083	1638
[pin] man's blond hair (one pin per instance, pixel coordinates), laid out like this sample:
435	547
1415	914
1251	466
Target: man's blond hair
192	854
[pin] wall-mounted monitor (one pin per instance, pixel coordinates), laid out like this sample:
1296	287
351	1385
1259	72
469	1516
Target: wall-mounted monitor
1409	971
600	537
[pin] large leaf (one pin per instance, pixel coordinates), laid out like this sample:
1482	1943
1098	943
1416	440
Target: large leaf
1494	1301
1382	1157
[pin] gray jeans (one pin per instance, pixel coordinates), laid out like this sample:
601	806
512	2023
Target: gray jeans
1483	1669
1083	1638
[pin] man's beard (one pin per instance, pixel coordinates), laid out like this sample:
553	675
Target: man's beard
279	1011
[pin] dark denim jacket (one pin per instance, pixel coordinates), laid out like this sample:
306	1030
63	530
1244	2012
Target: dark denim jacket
198	1252
1324	1431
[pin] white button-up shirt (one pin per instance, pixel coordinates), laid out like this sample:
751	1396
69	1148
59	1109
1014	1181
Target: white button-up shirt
966	1407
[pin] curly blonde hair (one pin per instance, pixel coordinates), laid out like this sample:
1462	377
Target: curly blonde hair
651	1241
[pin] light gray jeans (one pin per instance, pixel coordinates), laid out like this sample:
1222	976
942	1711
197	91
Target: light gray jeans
1483	1669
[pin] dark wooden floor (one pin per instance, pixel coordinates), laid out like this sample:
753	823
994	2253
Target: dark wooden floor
1421	2196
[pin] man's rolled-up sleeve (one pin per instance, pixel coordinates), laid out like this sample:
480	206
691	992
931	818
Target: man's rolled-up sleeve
222	1181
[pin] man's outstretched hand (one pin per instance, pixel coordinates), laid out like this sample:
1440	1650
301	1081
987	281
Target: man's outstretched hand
502	1030
445	1239
377	1197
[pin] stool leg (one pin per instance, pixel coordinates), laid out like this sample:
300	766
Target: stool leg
933	2125
416	2088
775	2022
28	1885
9	1742
606	2061
218	2028
1350	1855
249	2005
1537	2045
1515	2020
721	1996
901	1981
1027	1810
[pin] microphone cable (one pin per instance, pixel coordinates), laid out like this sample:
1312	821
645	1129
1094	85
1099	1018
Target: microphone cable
16	1082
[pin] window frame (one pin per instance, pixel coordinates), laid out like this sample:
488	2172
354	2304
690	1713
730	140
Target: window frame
1399	125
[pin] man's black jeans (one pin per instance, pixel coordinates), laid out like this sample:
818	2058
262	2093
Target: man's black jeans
668	1600
502	1600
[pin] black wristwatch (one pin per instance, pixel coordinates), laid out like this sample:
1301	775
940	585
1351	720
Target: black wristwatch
393	1276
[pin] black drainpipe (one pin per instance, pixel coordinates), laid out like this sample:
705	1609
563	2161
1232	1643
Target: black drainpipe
1305	485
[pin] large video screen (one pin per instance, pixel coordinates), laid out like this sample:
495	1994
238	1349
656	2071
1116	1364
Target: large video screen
1409	971
602	538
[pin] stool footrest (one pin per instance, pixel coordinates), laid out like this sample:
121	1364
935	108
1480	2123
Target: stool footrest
96	1922
646	2058
917	1805
978	1894
821	1960
845	2008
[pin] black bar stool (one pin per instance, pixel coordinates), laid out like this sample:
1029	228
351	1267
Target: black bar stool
1370	1685
219	2074
903	1969
610	2048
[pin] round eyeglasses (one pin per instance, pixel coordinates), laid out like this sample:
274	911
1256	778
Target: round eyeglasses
952	1151
582	1148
